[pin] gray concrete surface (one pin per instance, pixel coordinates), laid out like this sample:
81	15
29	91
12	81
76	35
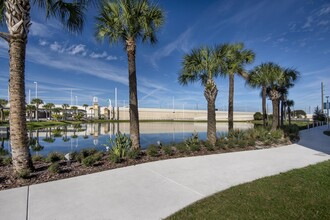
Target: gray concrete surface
158	189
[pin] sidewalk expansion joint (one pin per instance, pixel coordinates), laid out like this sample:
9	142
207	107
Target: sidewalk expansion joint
27	202
173	181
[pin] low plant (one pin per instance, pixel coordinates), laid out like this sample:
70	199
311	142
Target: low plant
3	152
152	151
54	157
221	142
24	173
192	140
168	150
37	158
134	153
257	116
194	147
54	168
90	160
5	161
120	146
181	148
208	146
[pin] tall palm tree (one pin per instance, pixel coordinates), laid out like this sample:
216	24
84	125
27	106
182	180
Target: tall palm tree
3	103
236	57
18	21
204	64
129	21
85	106
279	78
37	102
74	108
49	107
30	109
259	77
289	104
65	107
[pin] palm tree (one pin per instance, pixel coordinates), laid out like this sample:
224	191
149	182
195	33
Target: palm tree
289	104
74	108
57	111
236	57
49	107
279	78
128	21
85	106
37	102
259	77
30	109
65	106
203	65
3	103
18	23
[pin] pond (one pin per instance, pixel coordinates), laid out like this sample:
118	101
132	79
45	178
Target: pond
76	137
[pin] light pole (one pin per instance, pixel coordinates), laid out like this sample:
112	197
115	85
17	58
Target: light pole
36	89
327	110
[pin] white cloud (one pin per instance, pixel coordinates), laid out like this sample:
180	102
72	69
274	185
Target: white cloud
77	49
57	47
111	58
38	29
308	23
324	10
323	23
180	44
43	42
98	55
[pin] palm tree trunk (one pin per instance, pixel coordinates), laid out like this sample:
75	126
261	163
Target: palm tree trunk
133	101
18	130
278	113
282	112
275	114
210	94
231	103
264	111
289	115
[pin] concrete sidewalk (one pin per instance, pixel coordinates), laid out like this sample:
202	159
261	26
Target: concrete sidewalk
158	189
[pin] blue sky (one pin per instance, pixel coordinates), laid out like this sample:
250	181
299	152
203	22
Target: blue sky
292	33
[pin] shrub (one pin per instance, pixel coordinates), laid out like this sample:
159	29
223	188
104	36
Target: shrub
195	147
277	134
168	150
242	143
251	142
5	161
193	140
152	151
54	157
24	173
134	153
208	146
221	142
231	143
37	158
257	116
89	161
3	152
120	146
54	168
181	147
114	158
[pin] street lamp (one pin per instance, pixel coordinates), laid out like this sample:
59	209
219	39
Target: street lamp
36	89
327	110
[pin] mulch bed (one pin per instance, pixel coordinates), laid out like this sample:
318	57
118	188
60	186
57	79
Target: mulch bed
41	174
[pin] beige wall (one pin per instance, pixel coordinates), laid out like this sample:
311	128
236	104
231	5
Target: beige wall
169	114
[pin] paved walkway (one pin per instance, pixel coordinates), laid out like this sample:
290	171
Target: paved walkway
158	189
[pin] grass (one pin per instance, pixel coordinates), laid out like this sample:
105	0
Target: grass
297	194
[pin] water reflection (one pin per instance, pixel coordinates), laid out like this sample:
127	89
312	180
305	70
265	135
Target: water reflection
75	137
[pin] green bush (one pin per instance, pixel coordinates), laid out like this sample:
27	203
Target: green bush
152	151
134	153
181	148
90	160
168	150
54	168
37	158
231	143
114	158
221	143
208	146
193	140
120	146
54	157
87	152
24	174
277	134
3	152
257	116
195	147
5	161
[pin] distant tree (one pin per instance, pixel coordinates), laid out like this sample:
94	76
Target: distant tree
37	102
318	115
257	116
3	103
65	107
30	109
289	104
49	107
299	113
74	108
